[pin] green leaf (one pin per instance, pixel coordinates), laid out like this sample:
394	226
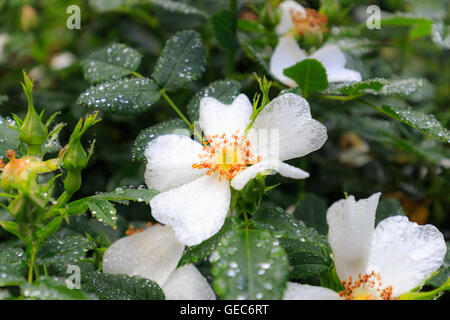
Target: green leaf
9	138
125	96
63	250
403	87
223	90
10	276
101	233
121	193
13	257
51	288
103	211
388	208
356	88
424	122
250	264
178	7
122	287
309	74
224	27
183	60
11	227
203	250
111	63
308	251
420	26
313	212
101	207
49	229
174	126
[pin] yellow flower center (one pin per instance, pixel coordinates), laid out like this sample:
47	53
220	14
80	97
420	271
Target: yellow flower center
367	287
226	156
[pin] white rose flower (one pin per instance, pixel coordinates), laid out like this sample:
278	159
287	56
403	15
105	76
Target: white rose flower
375	263
288	53
154	254
195	180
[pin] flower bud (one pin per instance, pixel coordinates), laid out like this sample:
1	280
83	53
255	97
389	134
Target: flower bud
32	131
269	17
74	158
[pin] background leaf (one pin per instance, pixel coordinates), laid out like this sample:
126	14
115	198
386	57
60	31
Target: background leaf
250	264
51	288
312	210
223	90
125	96
63	250
9	138
309	74
204	249
111	63
424	122
122	287
224	27
182	60
356	88
308	251
388	208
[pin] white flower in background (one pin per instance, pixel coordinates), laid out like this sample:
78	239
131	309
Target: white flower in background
62	61
353	150
288	53
154	254
4	39
375	263
194	180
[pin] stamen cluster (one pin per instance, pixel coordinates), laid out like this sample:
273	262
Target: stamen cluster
367	287
226	155
309	22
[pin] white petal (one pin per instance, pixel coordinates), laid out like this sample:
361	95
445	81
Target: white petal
152	254
289	129
330	56
297	291
342	75
285	9
333	59
350	232
196	210
282	168
405	253
187	283
219	118
169	161
286	54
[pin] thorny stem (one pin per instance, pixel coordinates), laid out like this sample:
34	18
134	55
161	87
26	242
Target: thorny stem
32	262
180	114
175	108
134	73
341	98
